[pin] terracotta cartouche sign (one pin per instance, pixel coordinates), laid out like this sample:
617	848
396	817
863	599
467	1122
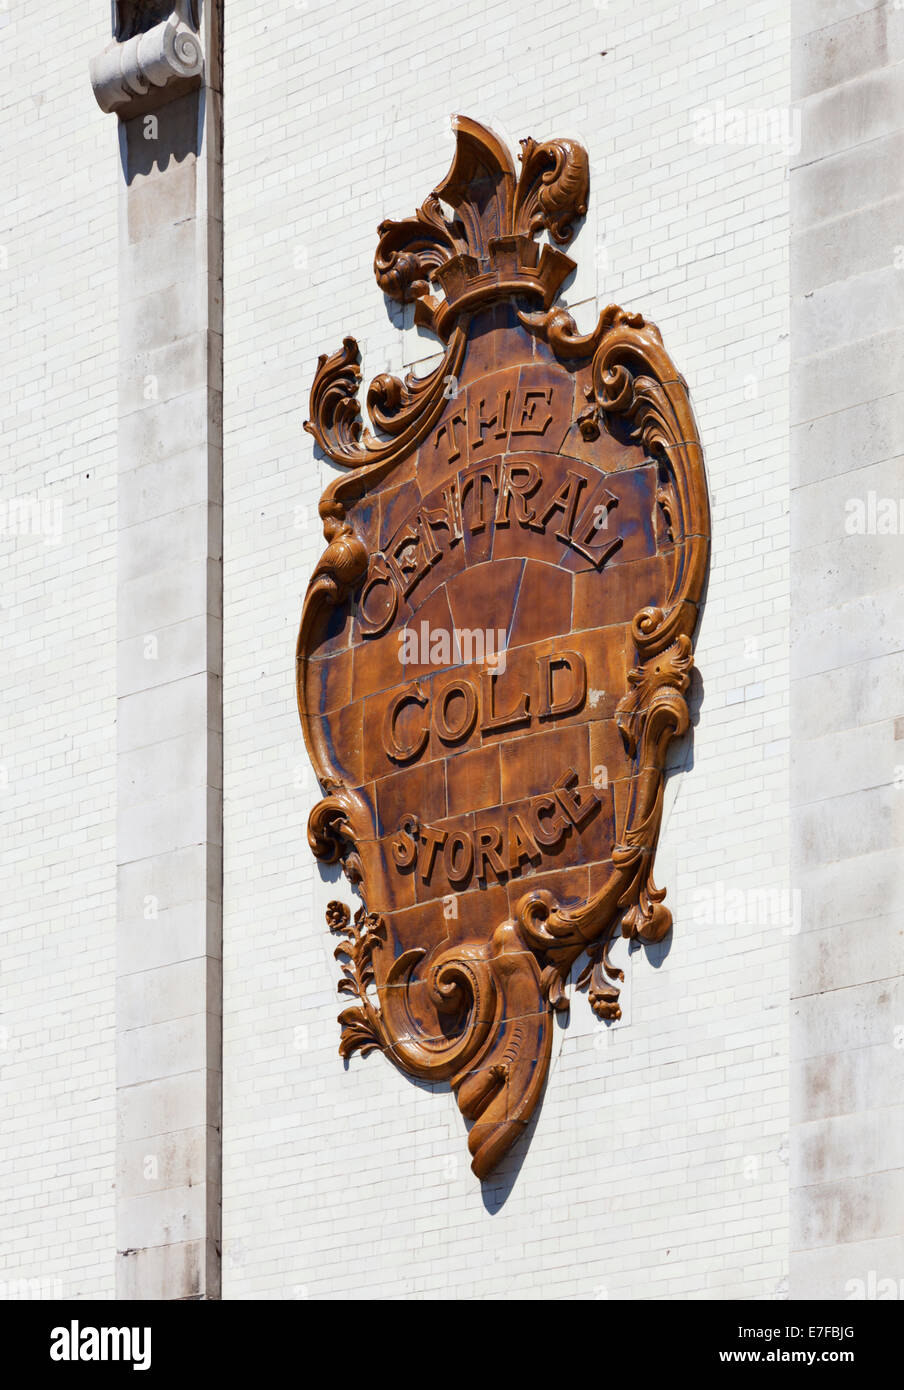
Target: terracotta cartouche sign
497	642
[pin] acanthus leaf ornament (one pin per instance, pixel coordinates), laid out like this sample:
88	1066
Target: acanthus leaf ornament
553	505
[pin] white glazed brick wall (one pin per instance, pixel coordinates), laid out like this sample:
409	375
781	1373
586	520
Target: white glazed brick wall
658	1164
58	292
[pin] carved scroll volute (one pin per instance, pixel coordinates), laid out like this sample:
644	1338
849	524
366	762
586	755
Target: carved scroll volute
468	997
553	188
408	253
634	377
156	55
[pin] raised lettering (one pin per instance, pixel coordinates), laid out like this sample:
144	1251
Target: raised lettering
564	500
512	490
460	728
461	872
472	481
527	424
483	422
372	624
399	752
489	843
593	525
409	568
521	843
491	722
577	809
448	429
550	834
550	708
404	847
433	839
448	515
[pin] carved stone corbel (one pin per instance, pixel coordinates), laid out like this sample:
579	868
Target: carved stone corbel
156	55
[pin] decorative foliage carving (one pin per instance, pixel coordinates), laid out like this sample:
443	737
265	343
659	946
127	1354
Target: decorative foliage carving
409	253
553	188
361	1029
438	800
488	245
406	410
649	717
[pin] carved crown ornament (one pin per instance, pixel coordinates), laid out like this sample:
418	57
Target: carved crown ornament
496	645
155	55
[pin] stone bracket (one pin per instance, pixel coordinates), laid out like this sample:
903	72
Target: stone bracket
152	66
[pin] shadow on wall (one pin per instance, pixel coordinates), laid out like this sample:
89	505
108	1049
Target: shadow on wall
156	139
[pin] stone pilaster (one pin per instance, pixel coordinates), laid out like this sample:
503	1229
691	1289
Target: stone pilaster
161	75
847	1060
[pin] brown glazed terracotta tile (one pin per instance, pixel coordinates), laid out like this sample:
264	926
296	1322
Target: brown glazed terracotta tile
621	796
379	663
544	603
395	730
532	764
490	345
441	550
336	633
380	607
480	793
421	790
330	682
544	409
478	487
454	711
569	886
630	520
473	427
509	697
418	926
606	452
607	751
621	591
569	824
396	506
484	597
600	875
602	652
525	480
473	779
445	859
347	743
478	907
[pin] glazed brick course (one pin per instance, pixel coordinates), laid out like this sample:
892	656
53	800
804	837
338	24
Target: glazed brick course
58	296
